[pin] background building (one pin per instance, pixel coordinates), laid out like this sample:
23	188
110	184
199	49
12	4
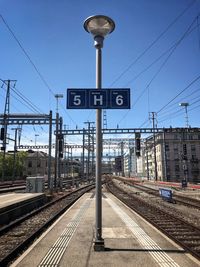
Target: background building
177	156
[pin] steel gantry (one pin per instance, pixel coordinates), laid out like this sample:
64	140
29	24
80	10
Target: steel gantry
31	119
129	131
115	143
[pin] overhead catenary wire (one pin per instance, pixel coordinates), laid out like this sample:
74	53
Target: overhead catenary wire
179	112
172	50
188	86
166	110
27	102
169	50
31	61
26	54
153	43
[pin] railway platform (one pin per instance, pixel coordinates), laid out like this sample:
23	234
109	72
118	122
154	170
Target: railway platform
129	240
9	199
14	205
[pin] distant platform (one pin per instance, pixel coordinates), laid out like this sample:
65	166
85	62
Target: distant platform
14	198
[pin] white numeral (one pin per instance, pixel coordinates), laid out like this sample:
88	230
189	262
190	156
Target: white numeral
119	100
77	100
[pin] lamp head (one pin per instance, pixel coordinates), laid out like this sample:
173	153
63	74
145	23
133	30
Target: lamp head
99	25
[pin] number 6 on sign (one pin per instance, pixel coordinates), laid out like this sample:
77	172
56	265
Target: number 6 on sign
94	99
120	98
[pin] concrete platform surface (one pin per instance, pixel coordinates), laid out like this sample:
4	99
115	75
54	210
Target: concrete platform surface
129	240
13	198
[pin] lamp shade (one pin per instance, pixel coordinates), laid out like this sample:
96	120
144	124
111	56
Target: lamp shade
99	25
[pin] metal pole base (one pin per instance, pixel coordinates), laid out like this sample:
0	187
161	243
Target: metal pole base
99	245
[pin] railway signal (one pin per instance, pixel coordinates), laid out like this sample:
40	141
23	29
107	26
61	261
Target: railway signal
2	133
137	144
60	145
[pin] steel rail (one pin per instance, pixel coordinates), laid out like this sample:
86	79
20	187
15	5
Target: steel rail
170	225
15	249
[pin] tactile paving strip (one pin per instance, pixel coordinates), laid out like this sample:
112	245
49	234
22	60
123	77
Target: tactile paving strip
145	241
56	252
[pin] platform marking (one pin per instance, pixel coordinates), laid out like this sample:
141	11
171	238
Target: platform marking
56	252
142	237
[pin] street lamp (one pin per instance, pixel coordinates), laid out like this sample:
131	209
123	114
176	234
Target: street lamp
99	26
57	96
185	105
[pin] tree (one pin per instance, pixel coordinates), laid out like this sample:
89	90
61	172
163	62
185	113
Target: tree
13	169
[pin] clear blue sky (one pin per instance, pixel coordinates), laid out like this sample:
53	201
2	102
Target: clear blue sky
51	32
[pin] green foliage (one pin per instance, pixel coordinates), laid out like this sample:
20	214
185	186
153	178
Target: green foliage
11	169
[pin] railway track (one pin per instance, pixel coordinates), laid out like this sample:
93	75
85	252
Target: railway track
183	233
184	200
15	237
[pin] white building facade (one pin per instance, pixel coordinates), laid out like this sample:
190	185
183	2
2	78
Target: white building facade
173	156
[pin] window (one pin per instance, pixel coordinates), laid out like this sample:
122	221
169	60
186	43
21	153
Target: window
167	147
190	137
177	168
30	164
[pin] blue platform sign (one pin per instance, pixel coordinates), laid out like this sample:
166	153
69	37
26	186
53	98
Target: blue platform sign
76	99
120	98
166	193
94	99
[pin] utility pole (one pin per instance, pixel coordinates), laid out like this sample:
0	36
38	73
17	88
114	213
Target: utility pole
147	157
65	154
14	154
83	157
4	128
92	167
57	96
50	182
105	125
153	117
122	158
88	123
60	153
36	135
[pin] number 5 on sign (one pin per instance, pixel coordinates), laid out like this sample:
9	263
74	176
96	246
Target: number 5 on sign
76	99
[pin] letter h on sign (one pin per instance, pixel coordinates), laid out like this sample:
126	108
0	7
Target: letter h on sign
98	98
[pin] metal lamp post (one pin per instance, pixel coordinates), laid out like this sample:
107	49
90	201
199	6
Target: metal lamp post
99	26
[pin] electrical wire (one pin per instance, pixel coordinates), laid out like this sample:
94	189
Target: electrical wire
172	50
27	102
31	61
188	86
153	43
27	55
180	100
